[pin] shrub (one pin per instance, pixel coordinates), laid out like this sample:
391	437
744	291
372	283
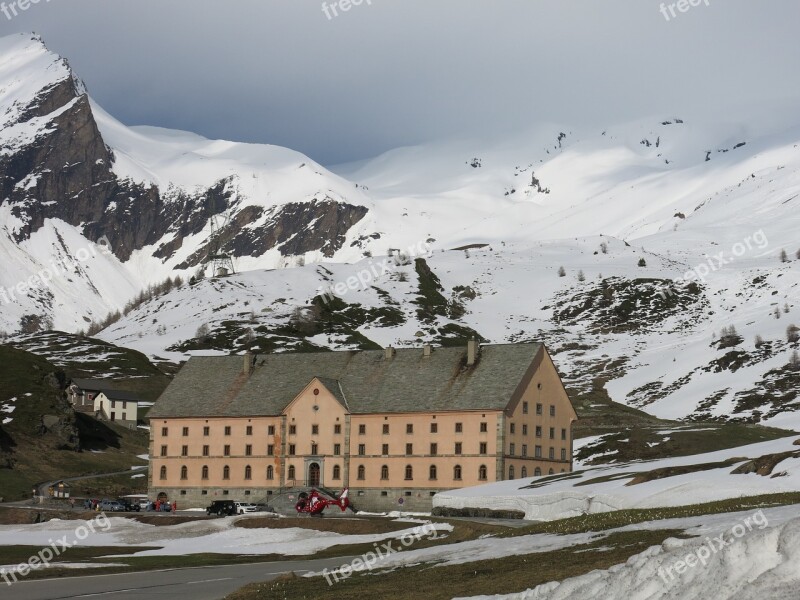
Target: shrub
642	262
562	272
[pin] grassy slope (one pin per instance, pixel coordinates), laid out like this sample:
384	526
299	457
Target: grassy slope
38	457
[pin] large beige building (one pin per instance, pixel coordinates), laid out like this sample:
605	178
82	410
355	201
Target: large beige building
395	426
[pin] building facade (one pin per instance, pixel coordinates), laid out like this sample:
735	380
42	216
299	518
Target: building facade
394	426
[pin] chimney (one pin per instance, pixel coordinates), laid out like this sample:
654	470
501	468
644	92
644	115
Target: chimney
249	359
473	349
426	350
388	353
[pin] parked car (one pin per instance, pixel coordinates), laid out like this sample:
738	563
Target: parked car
111	506
222	508
129	505
245	507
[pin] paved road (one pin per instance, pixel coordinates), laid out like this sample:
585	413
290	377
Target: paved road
201	583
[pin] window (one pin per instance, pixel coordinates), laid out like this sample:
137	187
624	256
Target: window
524	408
184	450
249	430
434	428
538	431
163	450
513	428
511	472
563	454
185	432
385	429
163	473
248	450
552	433
552	410
511	449
459	428
410	428
538	409
484	448
552	453
206	450
226	472
524	449
434	449
524	472
482	473
337	472
362	473
458	448
337	449
457	472
538	452
563	434
290	474
538	472
271	430
292	450
227	430
385	472
362	449
184	473
292	429
337	429
551	471
206	431
524	430
270	472
362	430
227	451
271	450
165	431
315	430
484	427
432	473
314	449
205	472
113	418
385	449
409	449
409	472
248	472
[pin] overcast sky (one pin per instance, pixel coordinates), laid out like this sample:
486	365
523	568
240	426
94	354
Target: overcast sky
400	72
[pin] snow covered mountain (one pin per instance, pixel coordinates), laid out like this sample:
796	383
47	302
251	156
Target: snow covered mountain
479	233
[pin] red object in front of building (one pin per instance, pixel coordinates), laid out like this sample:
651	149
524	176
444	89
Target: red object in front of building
314	503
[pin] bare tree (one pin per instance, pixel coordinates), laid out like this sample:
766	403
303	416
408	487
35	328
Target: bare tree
792	333
581	276
562	272
784	256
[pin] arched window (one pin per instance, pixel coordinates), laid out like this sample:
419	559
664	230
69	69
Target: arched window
248	472
482	473
551	472
537	472
205	471
184	473
226	472
270	472
385	472
511	472
409	472
290	473
163	472
362	472
433	473
523	472
337	472
457	472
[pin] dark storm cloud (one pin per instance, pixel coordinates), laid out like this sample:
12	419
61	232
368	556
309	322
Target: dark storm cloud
397	72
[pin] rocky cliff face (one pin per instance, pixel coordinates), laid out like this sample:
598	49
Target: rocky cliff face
61	168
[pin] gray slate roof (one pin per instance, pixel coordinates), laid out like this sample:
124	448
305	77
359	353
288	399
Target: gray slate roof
100	385
363	381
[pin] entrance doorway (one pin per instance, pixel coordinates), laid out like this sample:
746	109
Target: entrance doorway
313	475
